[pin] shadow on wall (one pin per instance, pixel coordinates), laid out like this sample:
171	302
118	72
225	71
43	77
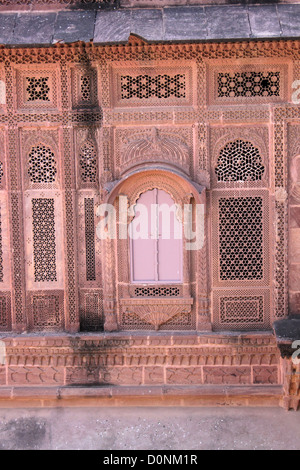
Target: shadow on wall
99	363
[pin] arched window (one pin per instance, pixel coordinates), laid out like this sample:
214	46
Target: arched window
156	239
239	161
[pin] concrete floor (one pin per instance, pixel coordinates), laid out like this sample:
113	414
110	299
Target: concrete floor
149	428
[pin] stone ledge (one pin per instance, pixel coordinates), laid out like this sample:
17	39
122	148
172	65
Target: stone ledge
141	395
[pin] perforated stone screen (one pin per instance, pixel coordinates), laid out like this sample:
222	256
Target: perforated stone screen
88	163
159	86
42	165
248	84
44	243
239	161
37	89
241	238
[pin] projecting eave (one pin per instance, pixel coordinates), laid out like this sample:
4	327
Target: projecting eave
169	24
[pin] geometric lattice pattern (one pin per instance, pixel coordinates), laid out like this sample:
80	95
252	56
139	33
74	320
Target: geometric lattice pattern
160	86
85	88
88	163
248	84
44	246
1	171
41	165
241	238
242	309
157	291
3	312
46	311
89	239
37	89
239	161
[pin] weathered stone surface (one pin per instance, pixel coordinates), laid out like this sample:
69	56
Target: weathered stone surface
7	24
184	375
82	375
147	24
74	26
121	376
2	376
295	217
294	277
35	375
287	329
227	375
264	21
295	245
294	303
289	17
184	23
265	375
227	22
112	27
153	375
33	28
177	23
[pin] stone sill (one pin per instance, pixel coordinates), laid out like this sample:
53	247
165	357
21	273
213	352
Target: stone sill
136	333
178	395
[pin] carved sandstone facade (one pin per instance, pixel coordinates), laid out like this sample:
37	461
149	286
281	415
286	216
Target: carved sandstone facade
211	124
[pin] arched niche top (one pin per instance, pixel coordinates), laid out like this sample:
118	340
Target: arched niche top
174	183
257	136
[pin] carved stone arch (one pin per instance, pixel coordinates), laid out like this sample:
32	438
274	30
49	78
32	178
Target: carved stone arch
33	138
255	136
49	140
165	178
258	136
161	311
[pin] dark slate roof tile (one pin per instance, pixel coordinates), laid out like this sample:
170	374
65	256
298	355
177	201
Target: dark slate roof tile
147	23
34	28
225	22
72	26
180	23
112	26
289	17
185	23
7	24
264	21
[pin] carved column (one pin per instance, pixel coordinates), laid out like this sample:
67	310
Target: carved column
109	282
71	287
16	214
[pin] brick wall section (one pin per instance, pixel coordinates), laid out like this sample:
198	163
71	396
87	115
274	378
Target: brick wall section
141	360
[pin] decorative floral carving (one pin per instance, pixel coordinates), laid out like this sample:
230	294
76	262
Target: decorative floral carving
154	146
156	311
